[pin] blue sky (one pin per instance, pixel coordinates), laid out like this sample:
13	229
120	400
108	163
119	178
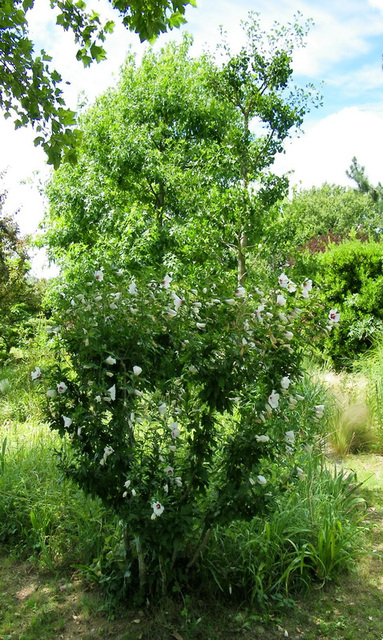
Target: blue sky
344	52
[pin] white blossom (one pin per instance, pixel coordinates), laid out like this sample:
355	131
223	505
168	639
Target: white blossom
262	438
112	392
99	275
273	399
283	280
158	509
285	382
36	373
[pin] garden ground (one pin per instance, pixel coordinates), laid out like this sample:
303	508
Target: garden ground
41	605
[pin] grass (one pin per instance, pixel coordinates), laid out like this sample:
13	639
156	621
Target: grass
52	537
38	604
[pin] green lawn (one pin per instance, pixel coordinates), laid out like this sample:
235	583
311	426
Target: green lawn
38	604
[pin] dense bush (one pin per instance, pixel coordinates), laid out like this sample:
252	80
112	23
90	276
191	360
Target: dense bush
350	277
181	405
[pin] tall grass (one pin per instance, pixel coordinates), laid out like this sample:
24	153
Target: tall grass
370	365
311	536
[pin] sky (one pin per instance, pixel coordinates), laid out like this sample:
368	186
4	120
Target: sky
342	58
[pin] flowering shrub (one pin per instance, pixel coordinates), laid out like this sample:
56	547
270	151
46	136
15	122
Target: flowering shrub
180	405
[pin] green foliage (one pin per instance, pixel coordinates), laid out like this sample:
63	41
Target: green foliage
316	218
169	163
30	90
351	276
20	295
310	536
163	393
358	174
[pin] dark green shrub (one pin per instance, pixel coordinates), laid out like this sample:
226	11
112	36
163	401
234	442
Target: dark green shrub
350	277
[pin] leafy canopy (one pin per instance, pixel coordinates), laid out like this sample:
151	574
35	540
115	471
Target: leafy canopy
30	90
175	164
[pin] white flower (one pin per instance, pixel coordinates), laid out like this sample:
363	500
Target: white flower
61	387
166	282
178	481
51	393
289	335
290	437
158	509
261	479
334	315
230	301
127	484
177	301
133	492
285	382
162	408
166	488
98	298
262	438
67	421
307	285
132	288
174	430
108	450
305	294
319	410
171	313
137	392
112	392
291	287
36	373
252	481
98	398
300	473
200	325
273	399
99	275
281	300
169	471
241	292
110	360
109	374
137	370
192	368
283	280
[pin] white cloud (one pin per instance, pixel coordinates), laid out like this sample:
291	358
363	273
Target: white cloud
325	151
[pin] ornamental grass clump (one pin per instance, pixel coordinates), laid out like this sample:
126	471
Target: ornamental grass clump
180	406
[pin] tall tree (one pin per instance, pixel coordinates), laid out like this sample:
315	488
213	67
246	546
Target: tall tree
358	173
31	91
258	83
175	163
20	297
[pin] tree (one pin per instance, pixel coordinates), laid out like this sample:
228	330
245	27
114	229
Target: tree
314	218
175	389
20	297
182	148
358	173
258	83
31	91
